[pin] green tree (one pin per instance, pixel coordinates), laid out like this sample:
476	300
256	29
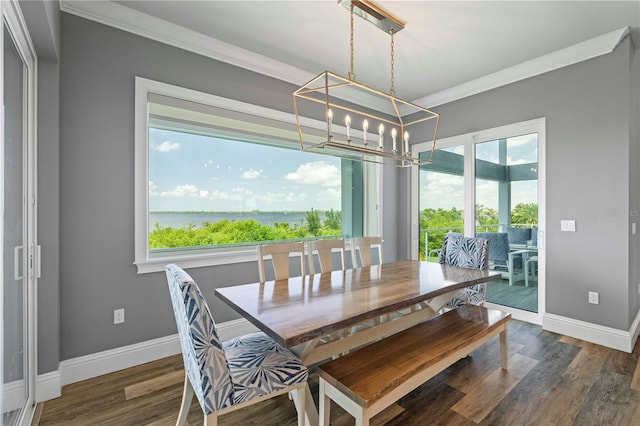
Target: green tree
525	213
333	219
486	219
313	222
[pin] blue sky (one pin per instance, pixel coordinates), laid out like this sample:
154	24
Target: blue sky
197	173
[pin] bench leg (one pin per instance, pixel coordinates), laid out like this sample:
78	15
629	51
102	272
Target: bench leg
504	349
325	405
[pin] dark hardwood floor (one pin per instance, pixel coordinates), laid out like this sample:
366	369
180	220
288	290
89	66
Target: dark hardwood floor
552	380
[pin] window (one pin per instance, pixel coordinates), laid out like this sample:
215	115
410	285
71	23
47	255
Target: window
215	177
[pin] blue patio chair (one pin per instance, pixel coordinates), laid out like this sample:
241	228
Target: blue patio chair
466	252
226	376
499	256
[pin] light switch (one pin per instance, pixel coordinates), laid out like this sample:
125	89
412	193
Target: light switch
633	228
568	225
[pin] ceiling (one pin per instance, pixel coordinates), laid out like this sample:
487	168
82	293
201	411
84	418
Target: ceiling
444	44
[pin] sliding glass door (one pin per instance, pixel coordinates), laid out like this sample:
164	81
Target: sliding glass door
506	211
489	184
19	262
441	200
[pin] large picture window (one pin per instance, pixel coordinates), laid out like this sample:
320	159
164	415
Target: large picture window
216	177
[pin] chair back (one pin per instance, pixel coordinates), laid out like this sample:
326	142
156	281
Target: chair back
325	249
465	252
518	235
361	247
279	253
499	250
204	359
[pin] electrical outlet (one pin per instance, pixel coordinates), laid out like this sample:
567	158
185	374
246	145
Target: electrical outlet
118	316
593	297
568	225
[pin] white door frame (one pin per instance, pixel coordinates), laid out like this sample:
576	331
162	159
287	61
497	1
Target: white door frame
469	140
13	20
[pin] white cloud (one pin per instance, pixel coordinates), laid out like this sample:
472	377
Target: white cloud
182	191
167	146
251	174
316	173
153	188
330	194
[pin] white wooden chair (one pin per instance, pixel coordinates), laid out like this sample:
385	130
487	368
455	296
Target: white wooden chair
279	254
325	250
362	248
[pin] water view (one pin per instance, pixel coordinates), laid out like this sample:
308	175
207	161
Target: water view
185	219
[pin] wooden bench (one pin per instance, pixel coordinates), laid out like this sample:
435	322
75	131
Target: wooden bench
370	379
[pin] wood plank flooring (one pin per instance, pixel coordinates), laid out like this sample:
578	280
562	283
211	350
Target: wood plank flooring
552	380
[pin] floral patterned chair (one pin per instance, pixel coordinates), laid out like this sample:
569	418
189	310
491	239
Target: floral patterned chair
466	252
226	376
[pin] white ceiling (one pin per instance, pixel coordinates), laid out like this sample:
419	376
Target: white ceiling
444	43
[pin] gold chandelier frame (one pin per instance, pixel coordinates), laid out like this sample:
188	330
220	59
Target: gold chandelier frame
393	120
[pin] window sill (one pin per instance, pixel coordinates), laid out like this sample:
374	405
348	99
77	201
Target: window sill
157	263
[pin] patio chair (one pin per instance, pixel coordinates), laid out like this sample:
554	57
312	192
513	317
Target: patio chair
499	256
233	374
279	254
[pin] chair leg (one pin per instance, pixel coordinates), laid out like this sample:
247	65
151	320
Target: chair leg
301	395
211	419
325	405
187	396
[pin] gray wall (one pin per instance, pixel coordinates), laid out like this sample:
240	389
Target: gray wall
49	215
43	21
98	67
588	124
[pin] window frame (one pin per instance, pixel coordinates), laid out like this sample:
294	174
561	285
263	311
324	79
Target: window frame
147	263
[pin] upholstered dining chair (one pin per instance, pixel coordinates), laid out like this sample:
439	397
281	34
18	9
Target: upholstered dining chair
279	253
362	248
325	249
500	253
464	252
233	374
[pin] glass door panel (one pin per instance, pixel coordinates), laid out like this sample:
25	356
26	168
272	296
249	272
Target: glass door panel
506	213
15	392
441	200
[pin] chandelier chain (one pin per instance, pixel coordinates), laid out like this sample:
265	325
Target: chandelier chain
352	75
393	89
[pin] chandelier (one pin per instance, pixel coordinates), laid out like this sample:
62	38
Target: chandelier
360	122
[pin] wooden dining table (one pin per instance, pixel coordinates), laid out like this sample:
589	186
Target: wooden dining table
321	316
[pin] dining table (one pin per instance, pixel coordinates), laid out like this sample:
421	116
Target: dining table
327	314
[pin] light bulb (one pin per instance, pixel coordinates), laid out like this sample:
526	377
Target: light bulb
365	126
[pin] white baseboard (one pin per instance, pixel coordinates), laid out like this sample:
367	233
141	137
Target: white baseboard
48	386
13	395
606	336
94	365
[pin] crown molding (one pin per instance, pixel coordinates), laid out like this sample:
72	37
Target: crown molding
133	21
136	22
579	52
